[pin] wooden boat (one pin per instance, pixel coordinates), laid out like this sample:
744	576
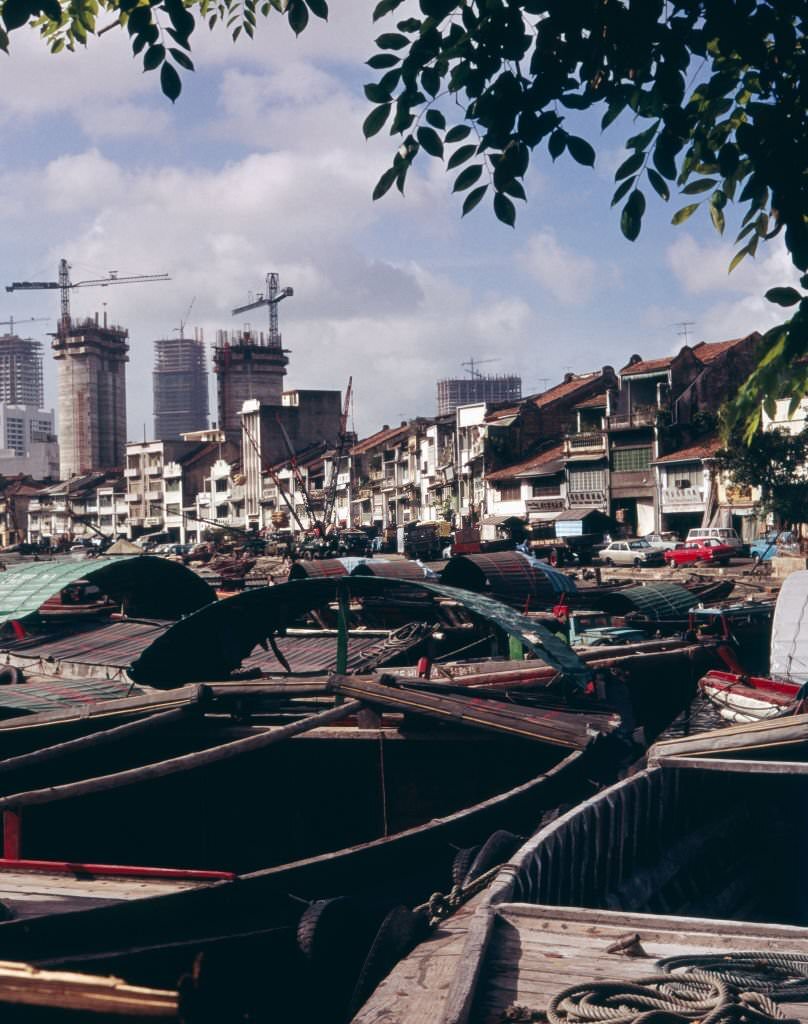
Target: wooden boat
667	862
373	813
740	696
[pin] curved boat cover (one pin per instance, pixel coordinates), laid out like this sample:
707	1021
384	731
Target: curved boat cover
513	577
150	587
789	644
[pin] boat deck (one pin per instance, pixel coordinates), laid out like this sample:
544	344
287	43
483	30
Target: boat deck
28	893
536	951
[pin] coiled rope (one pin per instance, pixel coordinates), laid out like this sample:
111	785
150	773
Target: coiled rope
711	989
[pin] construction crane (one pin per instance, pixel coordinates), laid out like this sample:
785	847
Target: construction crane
302	486
342	440
184	320
64	284
471	365
271	297
29	320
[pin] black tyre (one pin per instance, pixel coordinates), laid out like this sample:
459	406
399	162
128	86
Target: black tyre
10	674
497	848
638	563
608	561
320	924
397	934
673	563
462	862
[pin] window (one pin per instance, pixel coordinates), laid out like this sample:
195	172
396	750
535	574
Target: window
587	480
509	492
682	484
544	490
221	483
630	460
15	434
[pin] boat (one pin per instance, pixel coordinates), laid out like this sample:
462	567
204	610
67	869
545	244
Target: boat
741	696
687	864
320	807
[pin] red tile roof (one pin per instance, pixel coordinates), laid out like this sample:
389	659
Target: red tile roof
566	387
647	366
704	449
379	438
541	461
502	414
595	402
707	351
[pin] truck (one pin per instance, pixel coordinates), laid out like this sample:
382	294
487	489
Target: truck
426	540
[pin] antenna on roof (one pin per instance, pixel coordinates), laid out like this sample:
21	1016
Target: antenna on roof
684	329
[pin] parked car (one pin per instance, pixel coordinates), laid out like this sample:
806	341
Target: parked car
770	544
708	551
663	541
722	534
631	552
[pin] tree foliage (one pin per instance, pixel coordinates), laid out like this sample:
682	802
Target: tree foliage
717	89
775	461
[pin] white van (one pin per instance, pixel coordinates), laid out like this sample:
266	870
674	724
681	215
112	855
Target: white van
723	534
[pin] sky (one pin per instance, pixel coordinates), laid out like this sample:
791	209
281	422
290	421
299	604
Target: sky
261	166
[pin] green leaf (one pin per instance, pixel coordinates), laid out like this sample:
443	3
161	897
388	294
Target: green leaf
623	189
385	183
580	151
181	58
436	119
658	184
392	41
430	140
154	57
736	259
514	188
385	7
458	133
319	8
473	198
641	141
170	81
697	187
557	143
16	13
629	166
467	177
379	61
460	156
631	218
783	296
298	16
377	93
430	80
717	217
687	211
376	119
51	9
504	209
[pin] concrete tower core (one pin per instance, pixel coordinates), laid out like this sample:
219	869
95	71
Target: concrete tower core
92	396
246	367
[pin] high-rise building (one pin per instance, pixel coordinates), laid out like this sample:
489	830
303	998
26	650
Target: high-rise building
248	365
477	388
180	387
21	371
92	360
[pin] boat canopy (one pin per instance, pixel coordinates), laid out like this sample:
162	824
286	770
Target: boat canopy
654	600
145	585
789	644
509	576
214	641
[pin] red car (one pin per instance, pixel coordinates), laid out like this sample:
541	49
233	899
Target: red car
709	551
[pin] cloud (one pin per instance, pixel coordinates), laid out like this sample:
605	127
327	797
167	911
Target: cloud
703	267
570	277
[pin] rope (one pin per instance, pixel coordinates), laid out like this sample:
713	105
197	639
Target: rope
732	988
441	905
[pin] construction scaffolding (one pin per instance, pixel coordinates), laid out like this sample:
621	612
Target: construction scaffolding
453	392
21	381
248	364
180	382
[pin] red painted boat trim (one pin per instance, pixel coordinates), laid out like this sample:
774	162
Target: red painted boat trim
726	680
11	834
113	870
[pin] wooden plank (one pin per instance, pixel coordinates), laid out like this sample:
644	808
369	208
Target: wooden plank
567	729
725	764
752	736
186	762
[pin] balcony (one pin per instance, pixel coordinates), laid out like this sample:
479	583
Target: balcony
642	416
132	474
154	470
154	495
172	470
588	445
587	499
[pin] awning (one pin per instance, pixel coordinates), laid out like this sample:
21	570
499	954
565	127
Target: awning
543	517
548	469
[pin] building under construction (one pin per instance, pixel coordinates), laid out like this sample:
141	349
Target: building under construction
246	366
92	360
21	380
477	388
180	381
